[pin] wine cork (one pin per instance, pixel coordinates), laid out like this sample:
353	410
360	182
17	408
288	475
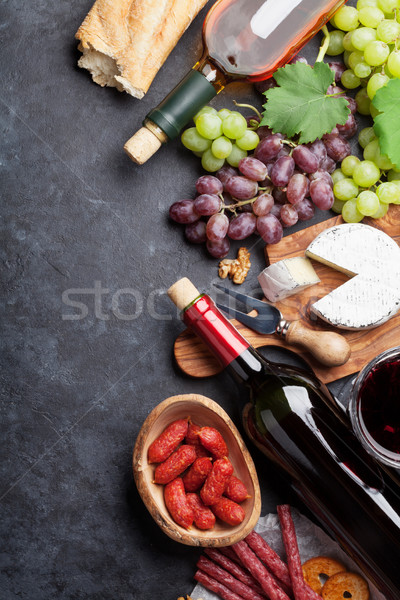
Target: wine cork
183	292
143	144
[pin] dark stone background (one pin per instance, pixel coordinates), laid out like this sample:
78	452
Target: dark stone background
77	211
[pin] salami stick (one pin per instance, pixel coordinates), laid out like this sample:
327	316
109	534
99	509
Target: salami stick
259	572
215	586
300	589
269	557
213	570
234	569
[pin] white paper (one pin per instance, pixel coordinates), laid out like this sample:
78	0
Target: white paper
312	542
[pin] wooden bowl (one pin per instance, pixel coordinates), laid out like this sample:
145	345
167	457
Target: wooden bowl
202	411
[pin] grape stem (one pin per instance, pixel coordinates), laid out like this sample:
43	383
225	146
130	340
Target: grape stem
248	106
233	207
324	45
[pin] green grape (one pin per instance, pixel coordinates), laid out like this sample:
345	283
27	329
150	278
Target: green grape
335	43
393	175
346	18
374	111
376	81
209	126
198	154
346	55
393	63
349	79
376	53
362	70
373	152
371	149
381	212
388	30
382	161
350	212
355	58
211	163
234	126
364	3
235	156
366	173
223	113
221	147
370	16
206	110
388	193
363	102
362	36
248	141
345	189
366	135
347	45
192	140
348	164
367	203
337	175
337	206
388	5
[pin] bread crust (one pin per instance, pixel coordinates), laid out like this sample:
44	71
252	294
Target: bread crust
125	42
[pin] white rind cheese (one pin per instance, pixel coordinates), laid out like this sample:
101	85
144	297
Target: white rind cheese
287	277
372	259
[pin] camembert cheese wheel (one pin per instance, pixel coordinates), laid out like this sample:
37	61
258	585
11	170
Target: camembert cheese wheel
372	259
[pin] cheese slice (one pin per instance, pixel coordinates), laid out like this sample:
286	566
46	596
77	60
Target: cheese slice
287	277
372	259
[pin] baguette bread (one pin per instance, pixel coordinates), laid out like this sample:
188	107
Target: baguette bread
125	42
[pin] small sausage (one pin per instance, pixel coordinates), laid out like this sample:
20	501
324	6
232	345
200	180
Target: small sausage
213	441
175	464
177	504
197	474
228	511
216	481
204	518
236	490
193	439
167	441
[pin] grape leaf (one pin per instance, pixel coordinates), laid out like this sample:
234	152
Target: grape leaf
300	104
387	122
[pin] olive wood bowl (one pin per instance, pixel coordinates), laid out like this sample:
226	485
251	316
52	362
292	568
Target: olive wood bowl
202	411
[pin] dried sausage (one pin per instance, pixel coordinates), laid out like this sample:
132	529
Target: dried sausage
177	504
269	557
216	481
228	511
197	474
221	558
204	518
215	586
213	441
192	438
167	441
236	490
227	579
175	464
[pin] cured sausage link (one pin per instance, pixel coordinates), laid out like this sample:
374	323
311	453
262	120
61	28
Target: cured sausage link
167	441
227	579
234	569
215	586
175	464
273	561
259	571
301	590
177	504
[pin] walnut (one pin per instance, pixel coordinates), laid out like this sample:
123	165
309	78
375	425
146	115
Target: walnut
236	269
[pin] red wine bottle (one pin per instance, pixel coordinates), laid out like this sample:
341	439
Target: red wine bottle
243	40
291	417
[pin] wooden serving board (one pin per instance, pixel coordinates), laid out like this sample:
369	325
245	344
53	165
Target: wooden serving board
194	358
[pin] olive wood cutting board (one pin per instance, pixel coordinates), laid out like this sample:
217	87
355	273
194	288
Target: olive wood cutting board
194	358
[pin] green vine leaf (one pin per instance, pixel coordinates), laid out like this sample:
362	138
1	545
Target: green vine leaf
300	105
387	122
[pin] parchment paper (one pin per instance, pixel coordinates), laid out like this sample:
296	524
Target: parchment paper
312	542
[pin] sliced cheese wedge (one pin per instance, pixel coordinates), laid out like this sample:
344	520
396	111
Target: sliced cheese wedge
287	277
372	259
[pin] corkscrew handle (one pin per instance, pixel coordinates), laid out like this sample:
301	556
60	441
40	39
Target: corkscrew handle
329	348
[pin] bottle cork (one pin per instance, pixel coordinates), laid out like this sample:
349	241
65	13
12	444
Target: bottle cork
145	142
183	293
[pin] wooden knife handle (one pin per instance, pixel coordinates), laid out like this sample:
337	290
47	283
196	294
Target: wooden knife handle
329	348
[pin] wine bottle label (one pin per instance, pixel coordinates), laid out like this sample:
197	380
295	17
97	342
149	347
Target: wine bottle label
270	15
206	321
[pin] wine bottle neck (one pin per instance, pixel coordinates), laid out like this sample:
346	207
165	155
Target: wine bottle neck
225	342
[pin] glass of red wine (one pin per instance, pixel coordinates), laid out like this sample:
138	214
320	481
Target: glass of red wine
374	407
